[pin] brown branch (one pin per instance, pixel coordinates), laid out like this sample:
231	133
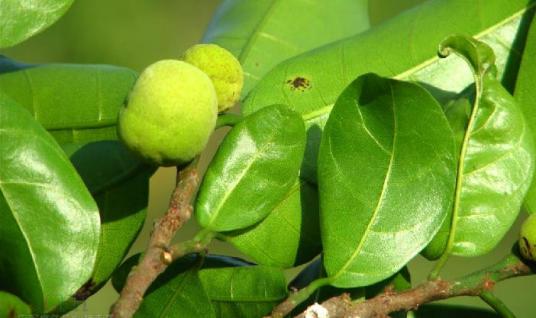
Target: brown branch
389	302
155	259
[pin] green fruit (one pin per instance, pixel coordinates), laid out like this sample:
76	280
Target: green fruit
171	113
223	69
527	241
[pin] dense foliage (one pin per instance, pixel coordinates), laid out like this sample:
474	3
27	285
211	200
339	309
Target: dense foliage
355	150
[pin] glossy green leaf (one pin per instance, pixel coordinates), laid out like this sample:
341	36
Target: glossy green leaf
404	47
496	157
263	33
386	179
75	103
255	166
293	221
525	96
119	181
49	223
243	292
11	306
20	20
450	311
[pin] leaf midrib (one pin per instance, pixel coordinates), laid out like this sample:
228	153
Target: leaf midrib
256	31
380	199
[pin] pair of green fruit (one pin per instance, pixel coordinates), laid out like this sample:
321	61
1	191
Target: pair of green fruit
173	107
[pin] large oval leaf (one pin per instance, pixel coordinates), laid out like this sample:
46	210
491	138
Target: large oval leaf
49	223
255	166
403	47
243	292
75	103
526	97
293	221
11	306
496	157
263	33
20	20
386	179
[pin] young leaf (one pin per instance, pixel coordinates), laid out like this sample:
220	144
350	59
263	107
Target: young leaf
248	291
524	94
263	33
11	306
403	47
119	182
20	20
75	103
496	157
294	221
386	179
49	223
255	166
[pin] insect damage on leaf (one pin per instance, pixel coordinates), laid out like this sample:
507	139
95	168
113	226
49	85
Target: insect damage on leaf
299	83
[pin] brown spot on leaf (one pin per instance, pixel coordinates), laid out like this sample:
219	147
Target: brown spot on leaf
299	83
12	314
85	291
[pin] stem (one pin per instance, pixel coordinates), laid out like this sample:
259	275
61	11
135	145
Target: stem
228	119
154	260
496	304
298	297
439	266
195	245
475	284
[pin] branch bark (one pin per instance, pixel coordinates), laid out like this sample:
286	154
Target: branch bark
389	302
155	259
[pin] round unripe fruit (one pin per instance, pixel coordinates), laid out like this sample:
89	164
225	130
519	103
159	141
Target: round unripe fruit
527	240
170	114
223	69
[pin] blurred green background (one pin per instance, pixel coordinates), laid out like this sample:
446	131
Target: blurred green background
137	33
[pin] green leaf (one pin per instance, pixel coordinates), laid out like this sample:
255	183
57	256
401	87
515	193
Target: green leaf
182	294
11	306
525	96
496	157
449	311
293	221
404	47
75	103
49	223
263	33
255	166
386	179
119	182
20	20
246	291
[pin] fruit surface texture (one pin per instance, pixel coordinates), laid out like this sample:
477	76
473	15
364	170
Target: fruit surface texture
170	114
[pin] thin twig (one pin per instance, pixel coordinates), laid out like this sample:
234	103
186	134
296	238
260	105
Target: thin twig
154	262
389	302
497	304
